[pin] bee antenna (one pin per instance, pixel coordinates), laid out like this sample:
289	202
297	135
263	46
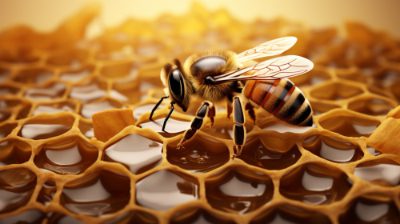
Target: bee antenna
167	68
178	64
168	116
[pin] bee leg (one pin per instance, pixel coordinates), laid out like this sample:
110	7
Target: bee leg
196	123
250	110
167	118
239	130
156	106
211	114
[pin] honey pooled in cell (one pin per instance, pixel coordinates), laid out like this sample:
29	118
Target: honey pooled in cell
33	216
320	107
14	152
381	172
54	108
46	128
66	156
58	218
6	129
196	216
165	189
239	190
47	192
101	193
88	109
138	153
315	184
257	152
283	127
365	210
288	214
135	216
55	90
8	90
16	188
371	106
350	126
75	76
173	127
335	91
333	149
200	154
87	92
37	76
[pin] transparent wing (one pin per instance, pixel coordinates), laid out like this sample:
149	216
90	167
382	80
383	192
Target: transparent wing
269	48
275	68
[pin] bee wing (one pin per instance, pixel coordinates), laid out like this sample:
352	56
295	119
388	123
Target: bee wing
275	68
269	48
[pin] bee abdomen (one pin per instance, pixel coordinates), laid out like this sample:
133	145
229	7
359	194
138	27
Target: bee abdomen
282	99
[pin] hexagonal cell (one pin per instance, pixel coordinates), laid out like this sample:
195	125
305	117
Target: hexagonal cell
86	129
6	129
14	152
313	77
135	216
371	105
174	126
50	92
76	75
196	215
286	214
349	125
200	154
73	58
335	91
49	108
46	127
4	115
47	192
136	152
16	188
320	108
35	76
138	111
371	209
382	171
238	190
270	152
8	89
88	109
333	149
59	218
88	92
315	184
70	155
28	216
96	194
283	127
386	77
166	189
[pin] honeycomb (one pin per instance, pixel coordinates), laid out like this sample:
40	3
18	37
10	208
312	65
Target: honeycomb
58	165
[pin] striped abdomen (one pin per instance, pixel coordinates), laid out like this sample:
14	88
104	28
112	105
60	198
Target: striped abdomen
282	99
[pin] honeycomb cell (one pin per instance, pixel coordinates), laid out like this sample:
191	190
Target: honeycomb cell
196	215
335	91
139	217
200	154
91	108
49	108
238	190
35	76
315	184
6	129
96	194
320	107
283	127
59	218
174	126
290	214
142	109
270	152
50	92
136	152
4	115
371	106
8	90
165	189
312	78
86	129
333	149
383	172
349	125
386	77
33	216
70	155
67	58
368	210
88	92
47	192
76	75
14	152
43	127
16	188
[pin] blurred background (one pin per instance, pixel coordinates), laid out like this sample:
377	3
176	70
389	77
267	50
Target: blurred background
45	15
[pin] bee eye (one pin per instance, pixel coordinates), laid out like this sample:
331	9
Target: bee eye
176	85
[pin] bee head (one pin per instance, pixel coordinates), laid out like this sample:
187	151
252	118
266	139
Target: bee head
177	85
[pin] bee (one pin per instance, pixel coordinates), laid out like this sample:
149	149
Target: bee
224	75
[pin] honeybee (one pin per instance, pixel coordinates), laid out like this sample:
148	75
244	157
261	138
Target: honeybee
223	75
